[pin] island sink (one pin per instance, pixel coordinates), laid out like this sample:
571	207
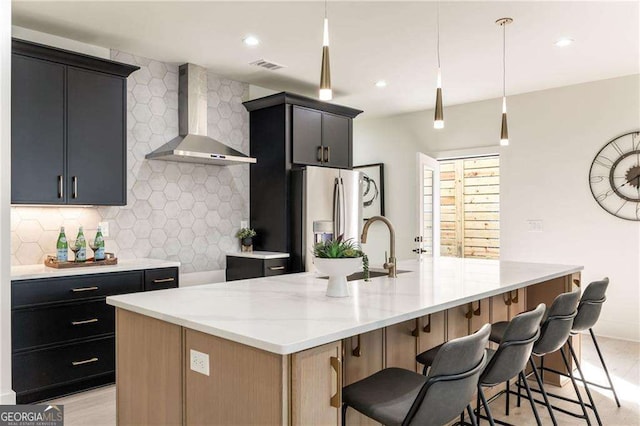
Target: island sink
372	274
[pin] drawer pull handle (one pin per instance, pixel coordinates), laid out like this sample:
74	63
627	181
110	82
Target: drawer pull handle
164	280
416	331
319	156
86	361
427	327
507	298
75	186
60	187
89	321
276	268
514	299
336	399
357	351
77	290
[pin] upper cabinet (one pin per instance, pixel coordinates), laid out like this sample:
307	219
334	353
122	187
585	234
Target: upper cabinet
68	127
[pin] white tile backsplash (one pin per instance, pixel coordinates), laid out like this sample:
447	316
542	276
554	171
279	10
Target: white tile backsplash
176	211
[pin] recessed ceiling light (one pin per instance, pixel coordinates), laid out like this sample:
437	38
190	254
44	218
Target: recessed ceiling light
381	83
251	40
564	42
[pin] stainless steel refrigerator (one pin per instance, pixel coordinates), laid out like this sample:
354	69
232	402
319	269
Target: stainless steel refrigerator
326	203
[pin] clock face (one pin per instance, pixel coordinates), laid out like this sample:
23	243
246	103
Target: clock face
615	177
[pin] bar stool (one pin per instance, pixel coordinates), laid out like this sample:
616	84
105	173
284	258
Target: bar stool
395	396
554	334
589	310
507	361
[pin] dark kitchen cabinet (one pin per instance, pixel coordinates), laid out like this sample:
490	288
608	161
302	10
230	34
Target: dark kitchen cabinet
96	154
289	131
68	127
37	131
320	138
244	268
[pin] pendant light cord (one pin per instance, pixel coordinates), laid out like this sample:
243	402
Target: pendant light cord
438	32
504	60
325	9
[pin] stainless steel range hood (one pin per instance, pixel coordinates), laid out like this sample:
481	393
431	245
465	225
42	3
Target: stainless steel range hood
193	145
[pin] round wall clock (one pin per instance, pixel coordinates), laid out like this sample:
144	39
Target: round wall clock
614	176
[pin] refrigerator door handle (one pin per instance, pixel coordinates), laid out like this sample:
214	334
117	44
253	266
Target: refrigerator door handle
338	208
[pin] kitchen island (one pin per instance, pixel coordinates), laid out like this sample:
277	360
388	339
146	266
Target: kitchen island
276	350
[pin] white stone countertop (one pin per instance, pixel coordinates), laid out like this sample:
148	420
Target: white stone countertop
260	254
29	272
290	313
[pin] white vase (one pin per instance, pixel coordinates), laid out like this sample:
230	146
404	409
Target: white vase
337	270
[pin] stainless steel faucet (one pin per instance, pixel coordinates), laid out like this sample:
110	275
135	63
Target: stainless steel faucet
389	264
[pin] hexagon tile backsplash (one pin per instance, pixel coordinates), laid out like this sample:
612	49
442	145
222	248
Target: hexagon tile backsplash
178	211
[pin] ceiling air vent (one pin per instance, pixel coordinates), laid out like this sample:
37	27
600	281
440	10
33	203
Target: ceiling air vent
263	63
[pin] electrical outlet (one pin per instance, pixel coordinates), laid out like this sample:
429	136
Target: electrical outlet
534	225
244	224
199	362
104	226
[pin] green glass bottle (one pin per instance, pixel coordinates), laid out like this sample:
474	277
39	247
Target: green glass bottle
81	242
98	243
62	247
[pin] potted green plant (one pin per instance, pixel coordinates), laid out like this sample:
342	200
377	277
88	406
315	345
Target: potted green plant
338	259
245	235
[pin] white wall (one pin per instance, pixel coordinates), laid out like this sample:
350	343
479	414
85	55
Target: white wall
60	42
6	394
554	136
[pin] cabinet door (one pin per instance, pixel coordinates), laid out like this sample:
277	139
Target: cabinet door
480	315
336	140
458	321
37	131
363	356
433	331
316	386
401	344
96	144
307	136
518	302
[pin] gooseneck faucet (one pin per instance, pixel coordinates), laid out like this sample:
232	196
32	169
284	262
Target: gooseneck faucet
390	264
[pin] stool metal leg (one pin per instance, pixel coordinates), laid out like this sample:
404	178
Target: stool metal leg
543	392
604	366
575	386
506	404
471	415
486	407
531	401
586	386
344	414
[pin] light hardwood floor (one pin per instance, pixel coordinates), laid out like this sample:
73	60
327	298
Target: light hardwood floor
97	407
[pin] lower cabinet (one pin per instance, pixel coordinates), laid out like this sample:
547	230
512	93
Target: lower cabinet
316	385
433	329
401	344
62	330
244	268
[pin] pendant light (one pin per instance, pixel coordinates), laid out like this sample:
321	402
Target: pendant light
325	92
438	119
504	132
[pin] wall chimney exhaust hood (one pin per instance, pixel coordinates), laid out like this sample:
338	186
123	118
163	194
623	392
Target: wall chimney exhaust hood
193	145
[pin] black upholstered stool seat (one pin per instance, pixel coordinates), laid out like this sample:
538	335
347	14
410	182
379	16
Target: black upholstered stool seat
386	395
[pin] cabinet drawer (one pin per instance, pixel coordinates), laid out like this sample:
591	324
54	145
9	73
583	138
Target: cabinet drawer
47	290
275	267
38	369
161	278
33	327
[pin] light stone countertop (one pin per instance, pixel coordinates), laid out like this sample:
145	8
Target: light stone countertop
260	254
29	272
290	313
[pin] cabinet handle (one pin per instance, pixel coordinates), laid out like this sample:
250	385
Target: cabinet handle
576	282
514	299
60	187
416	331
319	155
164	280
86	361
357	351
89	321
74	180
327	151
336	399
76	290
427	328
469	313
478	311
507	298
276	268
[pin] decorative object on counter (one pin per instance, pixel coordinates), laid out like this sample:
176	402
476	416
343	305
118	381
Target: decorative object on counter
79	246
338	259
245	235
62	247
97	245
614	177
53	262
373	189
504	132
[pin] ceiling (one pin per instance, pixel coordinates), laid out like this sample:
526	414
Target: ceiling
392	40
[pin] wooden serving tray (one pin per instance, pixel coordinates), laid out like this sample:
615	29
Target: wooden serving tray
52	262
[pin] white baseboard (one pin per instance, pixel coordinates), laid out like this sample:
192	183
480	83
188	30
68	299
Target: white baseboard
204	277
8	398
